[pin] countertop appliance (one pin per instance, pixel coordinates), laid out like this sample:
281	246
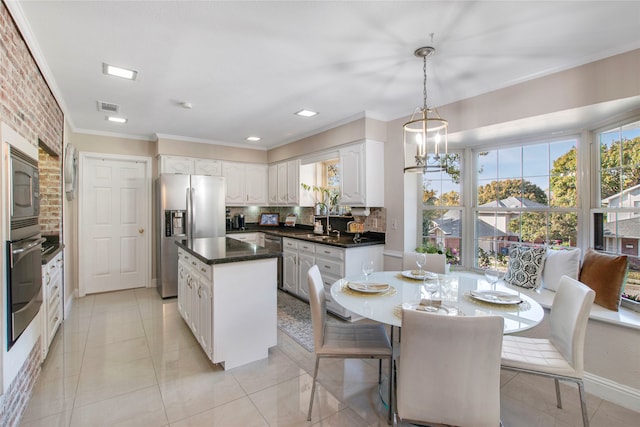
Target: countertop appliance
238	222
188	207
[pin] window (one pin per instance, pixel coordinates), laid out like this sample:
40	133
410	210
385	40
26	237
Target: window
616	221
442	208
524	193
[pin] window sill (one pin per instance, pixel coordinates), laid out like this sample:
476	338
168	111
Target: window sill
625	317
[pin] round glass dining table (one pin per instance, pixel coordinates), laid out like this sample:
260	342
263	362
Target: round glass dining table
454	293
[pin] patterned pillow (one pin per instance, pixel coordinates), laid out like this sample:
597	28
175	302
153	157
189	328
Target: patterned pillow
525	266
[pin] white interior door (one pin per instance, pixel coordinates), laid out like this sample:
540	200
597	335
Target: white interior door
114	223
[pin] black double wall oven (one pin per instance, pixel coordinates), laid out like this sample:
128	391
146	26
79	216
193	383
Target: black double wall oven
24	248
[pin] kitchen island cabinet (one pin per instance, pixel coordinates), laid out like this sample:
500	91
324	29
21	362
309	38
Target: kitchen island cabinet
227	295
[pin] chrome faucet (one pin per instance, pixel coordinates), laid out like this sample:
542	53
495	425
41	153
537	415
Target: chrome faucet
328	224
337	232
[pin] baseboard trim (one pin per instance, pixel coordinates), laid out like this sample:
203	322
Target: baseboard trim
612	391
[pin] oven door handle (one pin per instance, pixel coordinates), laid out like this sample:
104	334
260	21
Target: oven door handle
28	246
23	249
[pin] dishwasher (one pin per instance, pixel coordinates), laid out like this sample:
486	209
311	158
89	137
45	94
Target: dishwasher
274	243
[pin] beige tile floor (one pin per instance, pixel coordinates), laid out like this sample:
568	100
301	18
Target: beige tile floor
128	359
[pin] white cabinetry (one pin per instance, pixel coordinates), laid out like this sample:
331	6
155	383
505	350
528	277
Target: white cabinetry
246	183
208	167
52	297
284	183
272	175
362	169
189	165
332	261
195	298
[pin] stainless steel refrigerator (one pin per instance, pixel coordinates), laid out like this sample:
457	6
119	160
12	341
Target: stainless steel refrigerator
188	207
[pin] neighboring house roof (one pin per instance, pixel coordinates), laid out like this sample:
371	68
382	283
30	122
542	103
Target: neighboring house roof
634	189
451	227
513	202
626	228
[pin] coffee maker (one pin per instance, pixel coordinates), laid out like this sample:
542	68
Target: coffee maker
238	222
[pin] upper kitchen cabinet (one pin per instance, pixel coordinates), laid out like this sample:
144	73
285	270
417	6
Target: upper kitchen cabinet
246	183
284	183
189	165
362	169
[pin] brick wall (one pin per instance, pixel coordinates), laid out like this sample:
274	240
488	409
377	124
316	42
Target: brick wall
28	106
14	402
50	193
26	102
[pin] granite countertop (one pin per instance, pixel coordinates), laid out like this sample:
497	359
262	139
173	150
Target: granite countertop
50	252
220	250
306	233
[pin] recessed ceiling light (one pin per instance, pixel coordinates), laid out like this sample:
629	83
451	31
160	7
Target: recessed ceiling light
118	71
306	113
116	119
253	138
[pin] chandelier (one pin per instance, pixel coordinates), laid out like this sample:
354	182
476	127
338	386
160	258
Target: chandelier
425	134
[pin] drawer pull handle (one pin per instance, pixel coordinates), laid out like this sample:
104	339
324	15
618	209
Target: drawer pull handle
193	263
327	252
327	267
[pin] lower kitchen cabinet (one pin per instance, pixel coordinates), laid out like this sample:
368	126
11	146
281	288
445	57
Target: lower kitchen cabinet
229	307
52	300
333	262
195	298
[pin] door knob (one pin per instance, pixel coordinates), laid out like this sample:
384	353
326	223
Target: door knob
141	230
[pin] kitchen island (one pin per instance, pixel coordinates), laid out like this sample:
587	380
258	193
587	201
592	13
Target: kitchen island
227	294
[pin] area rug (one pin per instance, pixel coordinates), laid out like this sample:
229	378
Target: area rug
294	319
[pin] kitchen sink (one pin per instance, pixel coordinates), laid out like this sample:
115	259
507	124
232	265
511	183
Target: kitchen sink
322	237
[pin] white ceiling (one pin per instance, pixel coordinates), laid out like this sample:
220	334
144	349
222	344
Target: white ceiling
247	66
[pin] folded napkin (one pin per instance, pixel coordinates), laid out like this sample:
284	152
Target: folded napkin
369	286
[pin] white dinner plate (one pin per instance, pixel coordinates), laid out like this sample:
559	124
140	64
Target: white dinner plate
415	274
369	288
496	297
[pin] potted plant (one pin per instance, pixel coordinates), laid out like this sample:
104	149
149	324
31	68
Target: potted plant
451	255
326	198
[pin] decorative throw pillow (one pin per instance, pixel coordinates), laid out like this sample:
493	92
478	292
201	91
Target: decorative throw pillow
560	263
606	275
525	266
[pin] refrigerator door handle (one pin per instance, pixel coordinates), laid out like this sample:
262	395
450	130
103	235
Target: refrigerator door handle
188	224
193	212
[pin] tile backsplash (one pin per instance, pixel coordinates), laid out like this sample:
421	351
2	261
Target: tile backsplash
376	221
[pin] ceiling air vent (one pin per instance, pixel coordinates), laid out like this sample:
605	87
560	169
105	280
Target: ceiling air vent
108	107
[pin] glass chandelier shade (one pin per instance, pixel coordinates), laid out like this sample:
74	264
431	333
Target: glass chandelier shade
425	134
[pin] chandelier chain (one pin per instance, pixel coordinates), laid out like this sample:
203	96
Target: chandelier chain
424	88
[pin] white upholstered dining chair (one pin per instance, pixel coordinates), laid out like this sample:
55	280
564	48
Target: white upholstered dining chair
347	341
449	369
561	356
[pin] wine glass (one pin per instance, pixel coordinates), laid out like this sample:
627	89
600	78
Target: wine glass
367	269
492	276
431	286
421	260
